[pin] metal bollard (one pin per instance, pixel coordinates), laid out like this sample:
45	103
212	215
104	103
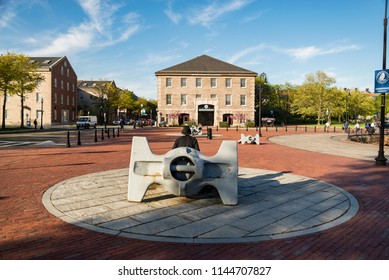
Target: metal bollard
209	133
113	132
102	134
286	128
315	128
95	135
68	141
118	135
237	128
108	134
79	138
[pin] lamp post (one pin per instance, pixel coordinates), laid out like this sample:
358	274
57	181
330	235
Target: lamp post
380	159
262	81
42	113
347	95
105	98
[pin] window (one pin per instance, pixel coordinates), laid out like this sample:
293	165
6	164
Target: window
68	100
228	82
55	97
61	98
183	99
213	96
61	84
242	83
198	82
198	96
61	70
73	88
55	82
168	82
183	82
67	86
65	63
68	72
213	82
38	97
168	99
243	100
228	99
55	115
73	100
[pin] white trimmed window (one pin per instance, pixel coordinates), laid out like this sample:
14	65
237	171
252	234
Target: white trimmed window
183	82
243	83
228	99
183	99
168	82
213	82
228	83
168	99
243	100
198	82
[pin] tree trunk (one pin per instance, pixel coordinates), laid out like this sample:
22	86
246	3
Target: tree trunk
22	111
4	106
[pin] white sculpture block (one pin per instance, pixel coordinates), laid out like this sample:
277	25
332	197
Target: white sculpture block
249	139
183	171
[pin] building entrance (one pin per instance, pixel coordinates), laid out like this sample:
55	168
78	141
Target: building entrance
206	113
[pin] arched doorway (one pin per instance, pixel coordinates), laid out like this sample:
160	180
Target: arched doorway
228	118
182	118
206	113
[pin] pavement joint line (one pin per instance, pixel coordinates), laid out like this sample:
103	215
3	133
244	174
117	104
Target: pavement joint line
207	228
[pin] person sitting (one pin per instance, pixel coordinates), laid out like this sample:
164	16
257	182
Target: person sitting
186	140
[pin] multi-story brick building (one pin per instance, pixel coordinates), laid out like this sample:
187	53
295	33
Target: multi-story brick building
206	90
55	96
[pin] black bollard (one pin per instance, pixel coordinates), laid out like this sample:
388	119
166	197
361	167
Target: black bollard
95	135
118	135
247	128
113	132
108	134
217	128
286	128
236	128
79	138
102	134
68	139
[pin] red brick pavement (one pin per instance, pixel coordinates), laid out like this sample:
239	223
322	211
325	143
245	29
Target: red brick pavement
28	231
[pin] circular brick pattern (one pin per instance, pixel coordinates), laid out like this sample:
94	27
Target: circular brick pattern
271	205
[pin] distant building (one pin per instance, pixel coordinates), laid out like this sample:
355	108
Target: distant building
91	98
206	90
56	95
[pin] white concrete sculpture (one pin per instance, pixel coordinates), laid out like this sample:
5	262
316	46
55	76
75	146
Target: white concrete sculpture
183	171
249	139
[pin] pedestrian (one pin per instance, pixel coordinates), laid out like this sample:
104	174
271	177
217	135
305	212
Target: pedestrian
327	126
345	126
186	140
356	127
121	125
35	123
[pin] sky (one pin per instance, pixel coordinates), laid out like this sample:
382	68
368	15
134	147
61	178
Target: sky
129	40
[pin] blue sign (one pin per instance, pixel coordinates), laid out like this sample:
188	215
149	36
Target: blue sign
381	84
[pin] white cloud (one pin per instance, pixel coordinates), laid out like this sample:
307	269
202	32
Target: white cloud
245	52
95	32
174	17
305	53
214	11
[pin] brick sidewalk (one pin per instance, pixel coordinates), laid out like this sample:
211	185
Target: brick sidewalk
28	231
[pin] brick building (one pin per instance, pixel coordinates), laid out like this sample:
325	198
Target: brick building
55	96
206	90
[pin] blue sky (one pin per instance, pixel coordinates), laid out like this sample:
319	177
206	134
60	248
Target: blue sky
129	40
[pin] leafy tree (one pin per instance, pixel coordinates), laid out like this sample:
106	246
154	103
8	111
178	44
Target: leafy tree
26	81
315	96
8	74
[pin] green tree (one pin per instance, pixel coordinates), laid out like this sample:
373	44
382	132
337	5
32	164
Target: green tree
8	75
26	81
315	96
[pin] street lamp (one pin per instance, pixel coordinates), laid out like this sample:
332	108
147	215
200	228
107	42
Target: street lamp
42	113
105	98
263	81
380	159
347	95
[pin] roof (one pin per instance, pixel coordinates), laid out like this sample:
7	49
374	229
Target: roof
205	64
82	83
46	62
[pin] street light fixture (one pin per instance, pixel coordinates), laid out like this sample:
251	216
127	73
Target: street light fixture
263	81
380	159
347	95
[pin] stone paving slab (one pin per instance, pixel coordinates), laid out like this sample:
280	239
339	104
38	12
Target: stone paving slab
271	205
